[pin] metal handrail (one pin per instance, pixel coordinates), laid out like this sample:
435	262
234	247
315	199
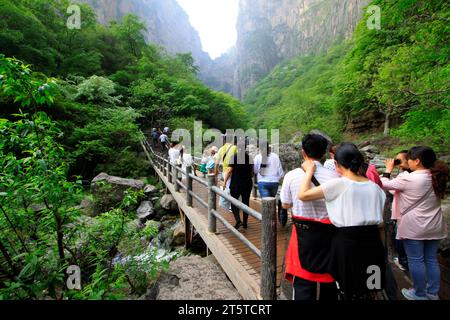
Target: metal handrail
237	203
197	197
235	232
267	254
199	180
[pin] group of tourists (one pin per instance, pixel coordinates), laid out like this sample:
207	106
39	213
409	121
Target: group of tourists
336	250
237	171
178	156
161	138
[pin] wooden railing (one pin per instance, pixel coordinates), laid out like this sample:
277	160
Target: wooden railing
268	219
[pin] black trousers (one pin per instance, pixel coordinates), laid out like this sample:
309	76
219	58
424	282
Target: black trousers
243	191
307	290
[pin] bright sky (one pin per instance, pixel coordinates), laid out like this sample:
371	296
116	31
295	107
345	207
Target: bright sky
215	21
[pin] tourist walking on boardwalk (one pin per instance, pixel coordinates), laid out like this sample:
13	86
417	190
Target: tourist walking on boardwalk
355	206
267	166
175	153
239	173
164	140
420	220
224	155
307	256
210	161
155	137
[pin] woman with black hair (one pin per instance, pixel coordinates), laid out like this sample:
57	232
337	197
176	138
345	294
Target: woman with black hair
420	222
355	206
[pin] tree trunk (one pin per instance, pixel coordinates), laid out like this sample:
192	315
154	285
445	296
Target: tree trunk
60	236
387	122
8	260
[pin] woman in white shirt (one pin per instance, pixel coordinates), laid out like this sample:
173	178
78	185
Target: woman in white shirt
175	153
268	168
355	206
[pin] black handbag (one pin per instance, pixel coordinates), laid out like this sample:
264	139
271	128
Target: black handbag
314	242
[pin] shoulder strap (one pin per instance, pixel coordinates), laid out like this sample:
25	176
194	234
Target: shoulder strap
226	152
313	179
414	205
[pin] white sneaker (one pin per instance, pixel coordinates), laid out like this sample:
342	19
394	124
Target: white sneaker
410	294
432	297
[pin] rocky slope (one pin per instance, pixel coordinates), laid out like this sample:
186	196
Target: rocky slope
167	24
196	278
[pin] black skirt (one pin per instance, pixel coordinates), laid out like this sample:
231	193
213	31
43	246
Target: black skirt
357	261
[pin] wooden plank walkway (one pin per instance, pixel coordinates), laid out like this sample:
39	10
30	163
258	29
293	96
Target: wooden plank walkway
241	265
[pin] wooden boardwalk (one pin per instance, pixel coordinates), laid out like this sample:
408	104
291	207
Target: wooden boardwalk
242	265
243	254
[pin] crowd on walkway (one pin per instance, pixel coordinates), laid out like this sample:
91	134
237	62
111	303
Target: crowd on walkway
337	248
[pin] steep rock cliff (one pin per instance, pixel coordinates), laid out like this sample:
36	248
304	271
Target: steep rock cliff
270	31
167	24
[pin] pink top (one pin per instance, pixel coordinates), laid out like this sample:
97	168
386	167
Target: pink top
424	221
372	175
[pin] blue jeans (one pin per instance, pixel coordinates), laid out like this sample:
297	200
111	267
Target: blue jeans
268	189
423	265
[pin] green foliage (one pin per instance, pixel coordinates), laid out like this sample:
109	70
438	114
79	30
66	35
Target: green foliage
130	33
297	96
19	86
141	76
430	126
42	231
110	138
400	71
35	198
97	90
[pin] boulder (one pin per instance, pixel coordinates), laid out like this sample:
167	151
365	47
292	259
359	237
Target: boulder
379	162
168	203
196	278
178	236
135	225
289	155
86	206
445	244
109	191
151	294
150	191
145	211
370	151
296	138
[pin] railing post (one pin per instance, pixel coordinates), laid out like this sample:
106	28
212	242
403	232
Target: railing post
212	201
175	177
189	186
168	171
255	188
268	249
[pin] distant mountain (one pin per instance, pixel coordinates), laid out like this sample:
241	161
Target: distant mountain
271	31
167	24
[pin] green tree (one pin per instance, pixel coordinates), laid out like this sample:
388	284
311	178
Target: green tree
130	32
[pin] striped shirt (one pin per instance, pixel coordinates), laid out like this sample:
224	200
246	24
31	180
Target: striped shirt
316	210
